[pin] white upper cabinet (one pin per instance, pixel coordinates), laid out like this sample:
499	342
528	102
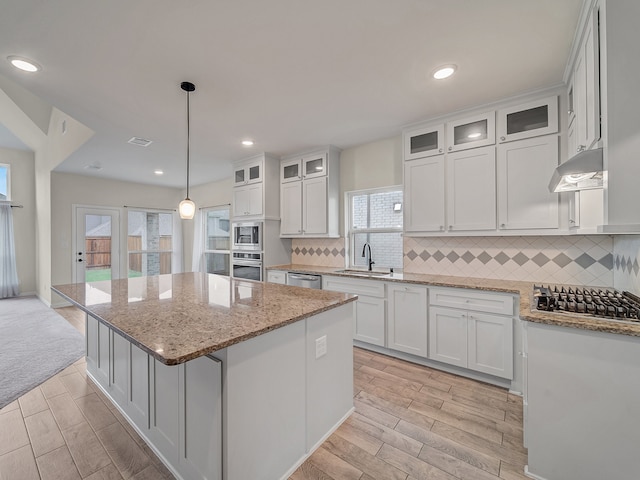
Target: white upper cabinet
309	193
424	142
247	173
255	192
309	166
471	132
424	195
586	88
471	189
531	119
247	201
524	169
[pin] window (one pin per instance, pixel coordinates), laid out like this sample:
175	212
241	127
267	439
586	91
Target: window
5	181
149	243
375	217
216	230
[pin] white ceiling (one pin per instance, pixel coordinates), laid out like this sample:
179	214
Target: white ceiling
9	140
290	74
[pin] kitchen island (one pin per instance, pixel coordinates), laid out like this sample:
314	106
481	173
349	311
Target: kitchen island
223	378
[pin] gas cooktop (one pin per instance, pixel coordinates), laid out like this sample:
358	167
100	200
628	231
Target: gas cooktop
587	301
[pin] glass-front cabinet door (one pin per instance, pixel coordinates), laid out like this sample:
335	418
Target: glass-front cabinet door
248	173
314	165
531	119
239	175
290	171
424	142
471	132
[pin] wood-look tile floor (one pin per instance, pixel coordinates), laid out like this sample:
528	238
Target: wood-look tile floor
410	423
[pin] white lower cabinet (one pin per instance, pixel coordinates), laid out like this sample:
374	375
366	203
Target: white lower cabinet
177	409
369	321
277	276
478	339
448	336
407	318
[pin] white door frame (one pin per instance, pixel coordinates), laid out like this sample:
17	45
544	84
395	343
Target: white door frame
116	240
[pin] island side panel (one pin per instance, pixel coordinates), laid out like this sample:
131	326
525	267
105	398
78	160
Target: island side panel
583	394
264	393
330	375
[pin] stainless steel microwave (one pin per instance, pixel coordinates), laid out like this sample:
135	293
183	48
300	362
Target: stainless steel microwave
247	236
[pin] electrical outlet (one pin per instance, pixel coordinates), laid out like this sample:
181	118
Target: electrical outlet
321	346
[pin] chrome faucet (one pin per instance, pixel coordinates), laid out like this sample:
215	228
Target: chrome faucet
369	259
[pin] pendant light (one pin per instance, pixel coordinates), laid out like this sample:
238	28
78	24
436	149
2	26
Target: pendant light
187	208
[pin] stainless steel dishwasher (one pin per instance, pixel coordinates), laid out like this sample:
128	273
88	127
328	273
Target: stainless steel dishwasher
304	280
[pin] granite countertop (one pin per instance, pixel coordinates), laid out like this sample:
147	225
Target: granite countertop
180	317
523	289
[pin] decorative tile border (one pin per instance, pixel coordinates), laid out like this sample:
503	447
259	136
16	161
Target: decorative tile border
586	260
329	252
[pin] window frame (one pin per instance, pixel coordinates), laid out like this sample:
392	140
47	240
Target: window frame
8	167
203	258
348	227
147	251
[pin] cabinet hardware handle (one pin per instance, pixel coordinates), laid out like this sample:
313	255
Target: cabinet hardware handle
502	138
450	227
502	225
581	148
440	150
570	112
572	221
450	148
441	227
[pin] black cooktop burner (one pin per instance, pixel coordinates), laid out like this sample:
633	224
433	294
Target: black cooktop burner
594	301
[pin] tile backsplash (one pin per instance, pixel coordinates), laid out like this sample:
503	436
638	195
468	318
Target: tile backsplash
328	252
580	259
626	269
598	260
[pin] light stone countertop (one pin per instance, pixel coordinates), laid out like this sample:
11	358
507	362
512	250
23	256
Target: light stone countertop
179	317
523	289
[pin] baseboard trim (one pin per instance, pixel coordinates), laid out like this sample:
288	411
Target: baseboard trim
317	445
532	475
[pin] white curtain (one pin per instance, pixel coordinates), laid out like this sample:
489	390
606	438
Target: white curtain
196	261
8	270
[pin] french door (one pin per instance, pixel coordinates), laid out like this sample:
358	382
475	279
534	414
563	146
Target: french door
96	253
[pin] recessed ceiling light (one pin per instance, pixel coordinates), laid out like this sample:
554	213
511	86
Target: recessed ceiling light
444	71
247	143
158	172
23	63
474	135
141	142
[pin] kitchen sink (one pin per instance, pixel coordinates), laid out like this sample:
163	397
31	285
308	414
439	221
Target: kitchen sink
363	273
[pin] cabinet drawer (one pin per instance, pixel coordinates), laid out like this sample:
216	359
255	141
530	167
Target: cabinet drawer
277	276
370	288
472	300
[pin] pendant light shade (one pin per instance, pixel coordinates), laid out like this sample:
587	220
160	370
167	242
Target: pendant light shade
187	208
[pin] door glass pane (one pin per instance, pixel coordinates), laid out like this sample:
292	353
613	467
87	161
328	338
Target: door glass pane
424	142
217	230
217	263
526	120
314	166
149	231
97	247
470	132
254	172
291	171
239	176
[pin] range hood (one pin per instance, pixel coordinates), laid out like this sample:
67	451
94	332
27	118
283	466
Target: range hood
583	171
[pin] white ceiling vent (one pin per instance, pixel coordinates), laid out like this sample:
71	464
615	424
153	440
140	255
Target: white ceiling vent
142	142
